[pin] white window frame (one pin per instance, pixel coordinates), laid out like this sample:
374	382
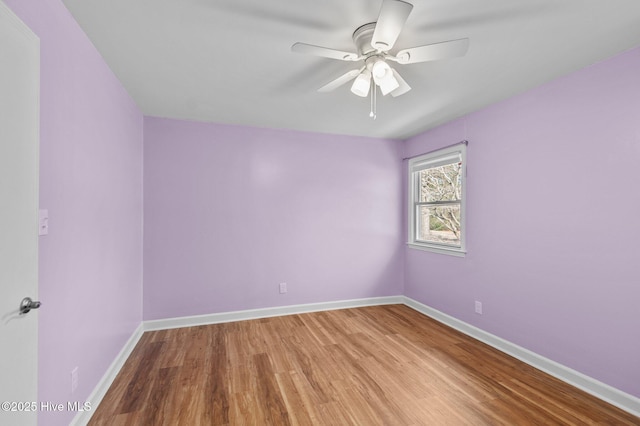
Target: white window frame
432	159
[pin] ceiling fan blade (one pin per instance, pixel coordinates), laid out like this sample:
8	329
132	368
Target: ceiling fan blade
393	15
433	52
325	52
403	88
339	81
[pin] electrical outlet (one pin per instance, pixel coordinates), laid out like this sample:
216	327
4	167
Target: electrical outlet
478	308
283	288
74	379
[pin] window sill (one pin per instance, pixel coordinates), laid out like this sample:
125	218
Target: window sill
440	250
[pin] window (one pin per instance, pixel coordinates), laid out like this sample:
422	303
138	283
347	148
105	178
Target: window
436	200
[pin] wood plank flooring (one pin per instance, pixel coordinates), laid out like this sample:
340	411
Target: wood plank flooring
383	365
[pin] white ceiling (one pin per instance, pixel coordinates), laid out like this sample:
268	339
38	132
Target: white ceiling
229	61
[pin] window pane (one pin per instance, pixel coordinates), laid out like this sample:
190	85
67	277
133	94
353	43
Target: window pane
439	224
443	183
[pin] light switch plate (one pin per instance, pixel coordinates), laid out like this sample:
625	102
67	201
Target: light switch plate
43	222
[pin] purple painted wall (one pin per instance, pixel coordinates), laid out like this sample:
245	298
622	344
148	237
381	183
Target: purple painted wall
91	182
230	212
552	222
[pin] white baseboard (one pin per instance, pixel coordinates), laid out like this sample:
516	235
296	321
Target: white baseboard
83	417
588	384
191	321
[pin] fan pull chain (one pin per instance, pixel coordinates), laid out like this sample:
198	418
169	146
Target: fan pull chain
373	114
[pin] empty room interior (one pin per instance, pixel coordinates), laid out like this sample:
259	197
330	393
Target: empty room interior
364	212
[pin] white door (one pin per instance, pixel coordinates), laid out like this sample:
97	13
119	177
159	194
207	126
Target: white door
19	135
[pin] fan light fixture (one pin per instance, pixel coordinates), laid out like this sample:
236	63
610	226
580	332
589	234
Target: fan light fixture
383	76
362	84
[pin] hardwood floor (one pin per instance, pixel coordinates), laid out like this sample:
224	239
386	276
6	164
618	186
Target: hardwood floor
383	365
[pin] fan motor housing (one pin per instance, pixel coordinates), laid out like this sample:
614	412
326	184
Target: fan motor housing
362	38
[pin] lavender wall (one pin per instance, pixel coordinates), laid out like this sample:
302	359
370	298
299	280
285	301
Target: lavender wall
232	211
552	222
91	182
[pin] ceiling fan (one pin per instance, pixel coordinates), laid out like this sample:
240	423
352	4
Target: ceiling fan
374	42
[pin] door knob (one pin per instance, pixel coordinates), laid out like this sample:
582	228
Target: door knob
27	305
